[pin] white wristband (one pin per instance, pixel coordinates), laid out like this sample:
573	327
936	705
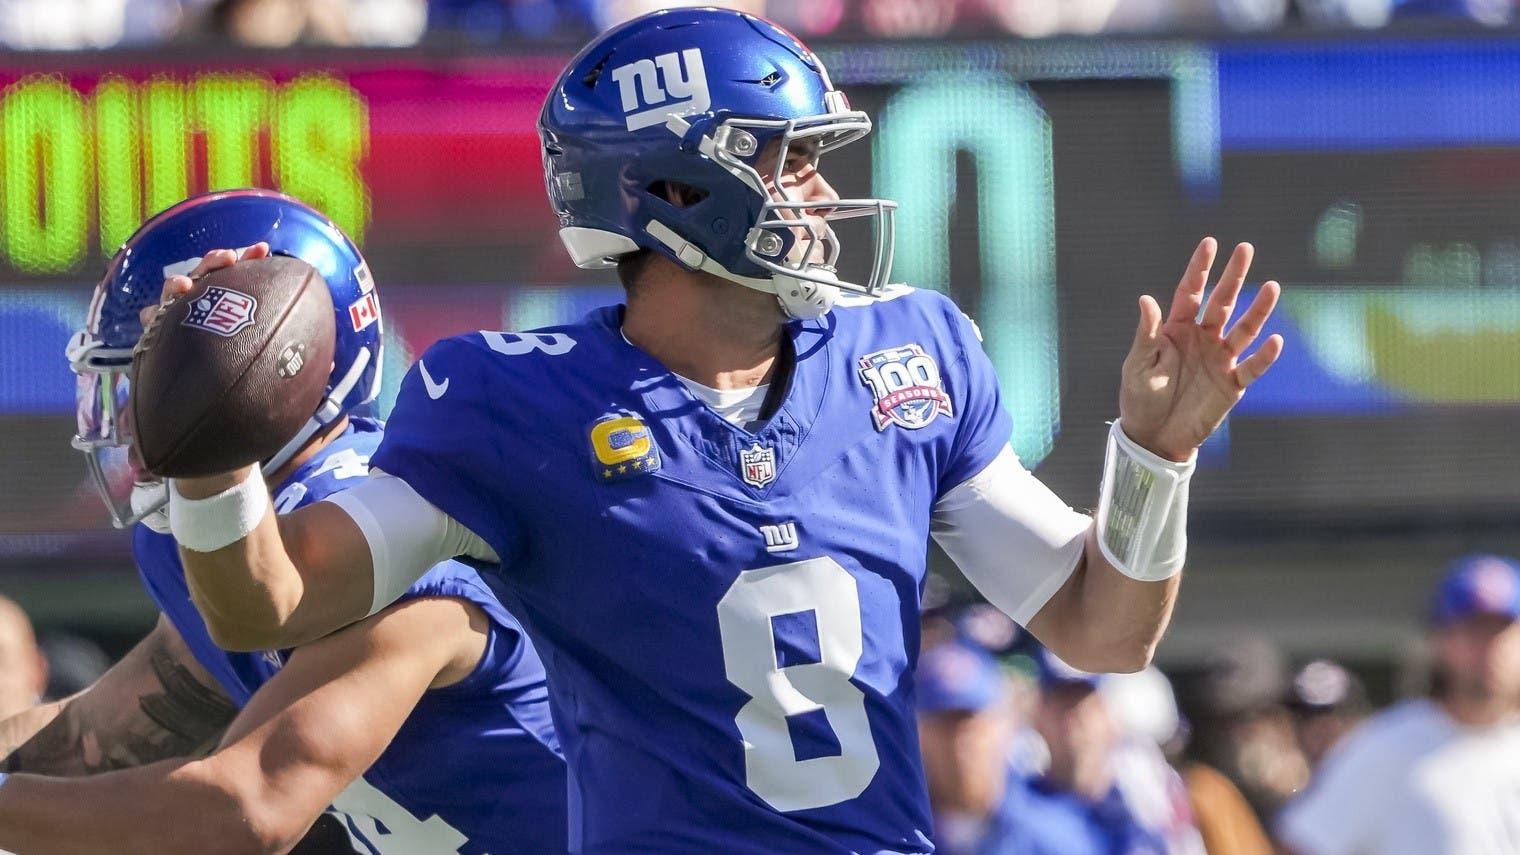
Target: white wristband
1142	510
206	525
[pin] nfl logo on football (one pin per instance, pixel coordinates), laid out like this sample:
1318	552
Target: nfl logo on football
222	311
907	386
758	465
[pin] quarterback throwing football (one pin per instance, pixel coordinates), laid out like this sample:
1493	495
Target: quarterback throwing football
709	506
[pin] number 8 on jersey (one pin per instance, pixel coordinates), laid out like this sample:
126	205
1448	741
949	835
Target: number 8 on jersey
747	614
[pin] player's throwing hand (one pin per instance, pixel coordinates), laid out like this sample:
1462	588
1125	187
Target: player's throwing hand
216	259
1183	376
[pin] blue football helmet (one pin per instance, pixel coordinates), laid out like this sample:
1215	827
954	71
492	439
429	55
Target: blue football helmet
171	243
701	97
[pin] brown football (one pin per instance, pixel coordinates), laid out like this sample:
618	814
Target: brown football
227	374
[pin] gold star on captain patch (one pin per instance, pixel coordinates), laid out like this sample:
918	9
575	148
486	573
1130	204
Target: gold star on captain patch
638	464
606	473
622	469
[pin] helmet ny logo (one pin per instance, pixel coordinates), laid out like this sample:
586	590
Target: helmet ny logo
664	86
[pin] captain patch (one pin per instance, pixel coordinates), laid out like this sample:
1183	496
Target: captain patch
622	447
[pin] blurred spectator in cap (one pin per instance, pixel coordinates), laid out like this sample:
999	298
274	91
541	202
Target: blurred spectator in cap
1076	807
990	629
1149	726
1144	706
1326	701
23	670
1244	675
1440	774
1242	728
966	729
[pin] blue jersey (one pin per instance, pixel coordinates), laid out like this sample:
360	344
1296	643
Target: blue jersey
476	766
729	617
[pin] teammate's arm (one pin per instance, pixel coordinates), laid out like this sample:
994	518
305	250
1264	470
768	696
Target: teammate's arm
156	703
303	737
300	576
294	578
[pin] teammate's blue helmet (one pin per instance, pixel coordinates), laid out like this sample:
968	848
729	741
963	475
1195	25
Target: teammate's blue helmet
700	97
171	243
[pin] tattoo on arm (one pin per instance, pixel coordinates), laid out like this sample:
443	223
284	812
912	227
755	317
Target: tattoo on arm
155	704
190	715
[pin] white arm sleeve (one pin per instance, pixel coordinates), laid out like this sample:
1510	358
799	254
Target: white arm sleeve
406	533
1012	537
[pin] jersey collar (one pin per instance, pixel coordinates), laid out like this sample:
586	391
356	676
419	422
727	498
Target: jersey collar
719	441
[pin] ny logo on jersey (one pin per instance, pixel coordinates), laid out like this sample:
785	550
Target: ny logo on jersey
906	383
781	537
684	90
757	466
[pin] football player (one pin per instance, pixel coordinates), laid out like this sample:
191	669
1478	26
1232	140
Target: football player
709	506
437	701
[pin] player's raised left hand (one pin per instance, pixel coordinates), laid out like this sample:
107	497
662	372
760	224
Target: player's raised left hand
1183	376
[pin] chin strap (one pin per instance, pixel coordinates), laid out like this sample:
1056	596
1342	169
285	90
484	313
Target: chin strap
800	299
150	505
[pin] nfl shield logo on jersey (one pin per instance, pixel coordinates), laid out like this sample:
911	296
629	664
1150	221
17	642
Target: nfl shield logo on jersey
757	466
907	386
222	311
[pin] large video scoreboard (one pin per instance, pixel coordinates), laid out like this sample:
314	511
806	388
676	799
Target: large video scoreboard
1043	185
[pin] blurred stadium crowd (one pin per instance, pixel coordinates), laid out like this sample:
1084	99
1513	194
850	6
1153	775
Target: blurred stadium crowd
1024	754
85	24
